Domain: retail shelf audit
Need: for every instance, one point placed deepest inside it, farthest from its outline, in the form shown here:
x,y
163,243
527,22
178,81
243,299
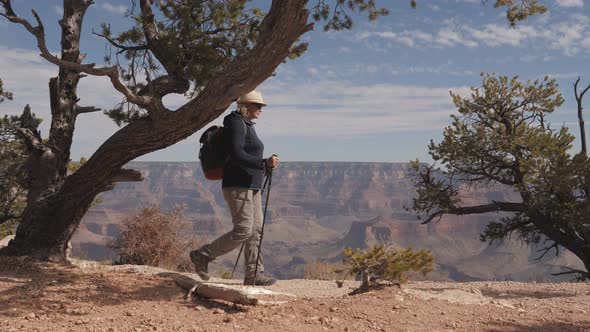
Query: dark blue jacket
x,y
245,167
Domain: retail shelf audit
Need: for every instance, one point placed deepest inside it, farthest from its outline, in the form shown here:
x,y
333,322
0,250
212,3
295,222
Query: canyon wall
x,y
318,208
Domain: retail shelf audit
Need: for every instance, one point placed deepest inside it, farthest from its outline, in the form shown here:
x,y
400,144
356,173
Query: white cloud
x,y
569,36
570,3
313,109
343,109
494,35
116,9
450,37
563,75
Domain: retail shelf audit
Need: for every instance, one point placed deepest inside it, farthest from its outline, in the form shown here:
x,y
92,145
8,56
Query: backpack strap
x,y
247,130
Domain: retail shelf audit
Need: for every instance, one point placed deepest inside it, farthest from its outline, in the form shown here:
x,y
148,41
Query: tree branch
x,y
127,175
124,175
546,250
285,22
32,140
122,47
582,275
478,209
580,114
86,109
164,85
150,32
112,72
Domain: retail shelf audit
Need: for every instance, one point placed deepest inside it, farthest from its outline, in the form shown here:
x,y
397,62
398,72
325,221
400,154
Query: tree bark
x,y
209,290
58,202
44,232
579,98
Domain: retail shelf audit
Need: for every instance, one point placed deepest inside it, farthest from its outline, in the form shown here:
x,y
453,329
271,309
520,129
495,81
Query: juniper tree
x,y
13,156
387,263
501,137
213,51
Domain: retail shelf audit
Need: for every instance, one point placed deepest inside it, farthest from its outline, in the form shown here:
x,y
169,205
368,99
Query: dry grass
x,y
150,236
322,270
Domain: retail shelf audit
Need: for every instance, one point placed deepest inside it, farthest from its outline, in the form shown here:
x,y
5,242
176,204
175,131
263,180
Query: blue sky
x,y
377,93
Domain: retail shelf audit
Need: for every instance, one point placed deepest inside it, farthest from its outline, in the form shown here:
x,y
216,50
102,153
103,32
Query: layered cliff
x,y
318,208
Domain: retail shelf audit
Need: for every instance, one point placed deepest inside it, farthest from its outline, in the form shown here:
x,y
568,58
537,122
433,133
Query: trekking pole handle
x,y
270,169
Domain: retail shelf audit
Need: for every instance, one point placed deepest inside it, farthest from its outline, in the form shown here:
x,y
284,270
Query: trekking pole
x,y
263,222
243,243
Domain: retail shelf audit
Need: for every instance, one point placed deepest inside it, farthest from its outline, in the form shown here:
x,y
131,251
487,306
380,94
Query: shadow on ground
x,y
540,327
27,285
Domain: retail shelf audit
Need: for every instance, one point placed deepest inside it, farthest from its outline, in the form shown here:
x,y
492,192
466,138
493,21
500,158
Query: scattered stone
x,y
333,309
313,319
217,311
31,316
199,308
227,320
451,325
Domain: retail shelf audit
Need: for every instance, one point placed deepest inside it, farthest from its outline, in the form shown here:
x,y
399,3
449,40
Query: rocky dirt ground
x,y
46,297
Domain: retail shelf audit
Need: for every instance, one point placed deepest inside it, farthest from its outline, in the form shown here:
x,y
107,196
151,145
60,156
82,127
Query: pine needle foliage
x,y
13,156
387,263
502,137
4,95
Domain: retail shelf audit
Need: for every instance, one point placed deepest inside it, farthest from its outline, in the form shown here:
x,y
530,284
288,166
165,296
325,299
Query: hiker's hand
x,y
272,162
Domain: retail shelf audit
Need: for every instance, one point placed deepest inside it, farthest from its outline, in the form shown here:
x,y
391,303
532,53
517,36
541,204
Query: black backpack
x,y
212,153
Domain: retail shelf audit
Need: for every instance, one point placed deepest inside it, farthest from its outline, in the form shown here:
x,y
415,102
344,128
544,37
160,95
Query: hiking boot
x,y
261,280
201,262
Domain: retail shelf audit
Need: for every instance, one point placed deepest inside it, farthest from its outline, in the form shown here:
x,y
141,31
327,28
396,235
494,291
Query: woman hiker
x,y
241,185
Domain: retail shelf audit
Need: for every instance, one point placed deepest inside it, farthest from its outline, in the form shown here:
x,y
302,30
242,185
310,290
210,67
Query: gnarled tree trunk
x,y
57,201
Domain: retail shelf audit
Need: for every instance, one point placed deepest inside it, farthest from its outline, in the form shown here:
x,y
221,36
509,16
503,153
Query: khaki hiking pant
x,y
245,206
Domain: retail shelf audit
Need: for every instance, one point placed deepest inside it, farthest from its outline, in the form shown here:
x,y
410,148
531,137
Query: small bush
x,y
224,274
322,270
387,263
152,237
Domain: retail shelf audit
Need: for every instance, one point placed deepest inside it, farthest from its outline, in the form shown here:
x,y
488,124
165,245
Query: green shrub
x,y
387,263
224,274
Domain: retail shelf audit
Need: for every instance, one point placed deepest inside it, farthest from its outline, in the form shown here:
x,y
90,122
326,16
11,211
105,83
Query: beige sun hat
x,y
253,97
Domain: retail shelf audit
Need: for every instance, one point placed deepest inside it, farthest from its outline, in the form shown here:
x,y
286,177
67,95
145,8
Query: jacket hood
x,y
234,116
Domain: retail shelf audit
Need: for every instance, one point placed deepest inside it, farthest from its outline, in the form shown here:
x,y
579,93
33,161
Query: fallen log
x,y
210,291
